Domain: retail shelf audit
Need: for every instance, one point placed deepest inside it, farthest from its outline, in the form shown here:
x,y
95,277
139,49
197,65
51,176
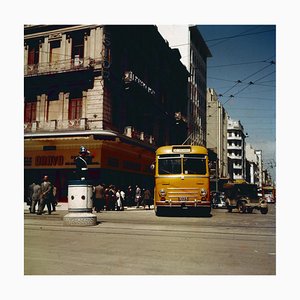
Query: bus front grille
x,y
183,193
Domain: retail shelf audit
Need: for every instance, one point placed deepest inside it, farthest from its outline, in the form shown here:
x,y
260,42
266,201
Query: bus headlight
x,y
203,192
162,193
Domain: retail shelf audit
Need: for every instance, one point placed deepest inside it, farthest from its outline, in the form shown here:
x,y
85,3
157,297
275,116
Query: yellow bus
x,y
181,179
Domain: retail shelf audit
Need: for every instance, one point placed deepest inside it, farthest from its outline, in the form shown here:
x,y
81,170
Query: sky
x,y
242,70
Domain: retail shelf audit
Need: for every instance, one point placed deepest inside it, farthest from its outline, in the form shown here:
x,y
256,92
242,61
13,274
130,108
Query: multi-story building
x,y
251,165
260,168
216,139
194,53
236,149
119,90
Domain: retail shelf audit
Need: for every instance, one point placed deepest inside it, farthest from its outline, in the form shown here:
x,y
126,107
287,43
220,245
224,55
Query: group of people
x,y
109,197
41,195
105,197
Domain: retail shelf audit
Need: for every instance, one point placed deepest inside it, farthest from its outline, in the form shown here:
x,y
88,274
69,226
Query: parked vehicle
x,y
244,198
269,194
218,200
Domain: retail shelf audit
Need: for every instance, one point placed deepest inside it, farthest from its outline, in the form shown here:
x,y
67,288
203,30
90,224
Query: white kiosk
x,y
80,202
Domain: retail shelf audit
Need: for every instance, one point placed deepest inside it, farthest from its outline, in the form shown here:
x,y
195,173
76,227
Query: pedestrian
x,y
122,198
118,200
99,197
54,198
81,163
138,194
147,198
106,196
129,196
45,195
29,195
35,198
112,198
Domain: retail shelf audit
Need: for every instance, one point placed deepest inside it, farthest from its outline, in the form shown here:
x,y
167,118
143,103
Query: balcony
x,y
131,132
234,147
234,137
61,66
56,125
234,156
237,166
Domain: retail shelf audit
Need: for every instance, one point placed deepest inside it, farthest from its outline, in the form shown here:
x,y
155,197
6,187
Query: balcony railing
x,y
131,132
234,137
237,166
74,64
53,125
234,147
80,124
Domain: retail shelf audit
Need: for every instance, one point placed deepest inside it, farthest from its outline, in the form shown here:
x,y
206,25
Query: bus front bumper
x,y
183,204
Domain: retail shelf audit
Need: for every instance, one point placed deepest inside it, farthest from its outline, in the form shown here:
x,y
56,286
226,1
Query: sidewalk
x,y
64,206
59,206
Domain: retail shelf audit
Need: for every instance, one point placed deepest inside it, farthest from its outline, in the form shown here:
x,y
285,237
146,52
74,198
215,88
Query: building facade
x,y
251,165
194,53
236,149
260,168
117,89
216,139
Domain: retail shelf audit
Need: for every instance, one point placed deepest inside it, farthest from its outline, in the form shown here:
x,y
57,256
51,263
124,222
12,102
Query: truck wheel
x,y
241,207
250,210
264,210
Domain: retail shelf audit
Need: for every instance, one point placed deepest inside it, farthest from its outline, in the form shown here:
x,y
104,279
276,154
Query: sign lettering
x,y
50,160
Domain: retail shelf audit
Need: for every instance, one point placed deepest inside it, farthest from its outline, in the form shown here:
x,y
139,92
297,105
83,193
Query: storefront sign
x,y
129,76
50,160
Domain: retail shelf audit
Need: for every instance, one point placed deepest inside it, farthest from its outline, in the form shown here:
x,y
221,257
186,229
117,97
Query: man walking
x,y
46,195
35,198
138,196
99,197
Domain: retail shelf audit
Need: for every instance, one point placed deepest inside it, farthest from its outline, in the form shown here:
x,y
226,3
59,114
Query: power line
x,y
244,33
247,77
237,64
224,39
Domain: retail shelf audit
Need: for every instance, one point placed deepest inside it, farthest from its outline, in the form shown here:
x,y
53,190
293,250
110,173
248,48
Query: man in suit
x,y
46,195
35,198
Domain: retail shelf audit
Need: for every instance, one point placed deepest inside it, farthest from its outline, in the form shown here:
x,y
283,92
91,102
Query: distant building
x,y
252,165
236,149
194,54
216,140
260,168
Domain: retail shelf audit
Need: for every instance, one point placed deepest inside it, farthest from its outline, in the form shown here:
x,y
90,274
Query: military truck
x,y
243,197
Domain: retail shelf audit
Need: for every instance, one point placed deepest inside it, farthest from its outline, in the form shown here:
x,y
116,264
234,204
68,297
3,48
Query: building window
x,y
33,54
75,108
54,51
77,46
30,112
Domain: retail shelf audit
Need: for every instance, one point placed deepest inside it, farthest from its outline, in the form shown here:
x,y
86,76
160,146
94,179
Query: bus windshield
x,y
192,164
169,164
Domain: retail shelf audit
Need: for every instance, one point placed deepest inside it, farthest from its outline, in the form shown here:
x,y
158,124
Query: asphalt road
x,y
136,242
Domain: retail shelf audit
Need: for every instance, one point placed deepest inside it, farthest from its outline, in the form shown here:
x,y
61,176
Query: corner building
x,y
116,89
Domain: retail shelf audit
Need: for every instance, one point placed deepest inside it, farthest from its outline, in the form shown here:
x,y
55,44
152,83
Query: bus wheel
x,y
241,207
158,211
